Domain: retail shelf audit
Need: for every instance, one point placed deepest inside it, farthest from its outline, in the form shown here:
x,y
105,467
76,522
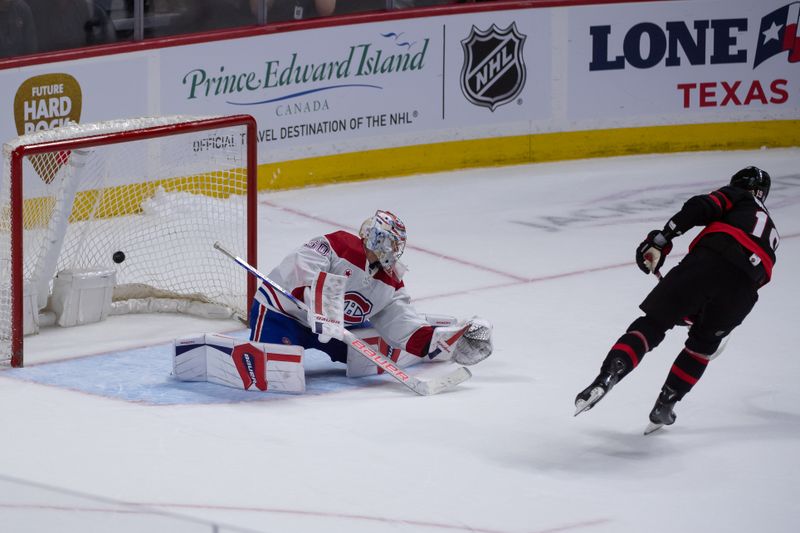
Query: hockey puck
x,y
118,257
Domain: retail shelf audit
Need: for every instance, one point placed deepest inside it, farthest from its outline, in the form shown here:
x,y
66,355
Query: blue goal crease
x,y
143,375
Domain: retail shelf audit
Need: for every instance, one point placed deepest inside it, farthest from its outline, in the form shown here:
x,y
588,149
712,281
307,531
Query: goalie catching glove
x,y
466,343
652,251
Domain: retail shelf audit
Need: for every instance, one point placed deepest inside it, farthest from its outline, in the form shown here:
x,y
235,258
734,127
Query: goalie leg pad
x,y
189,361
239,364
285,372
242,366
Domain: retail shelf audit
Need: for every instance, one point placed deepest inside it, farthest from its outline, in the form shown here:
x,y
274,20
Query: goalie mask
x,y
753,179
384,234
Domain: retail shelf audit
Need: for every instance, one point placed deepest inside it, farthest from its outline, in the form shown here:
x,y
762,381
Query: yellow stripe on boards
x,y
535,148
440,157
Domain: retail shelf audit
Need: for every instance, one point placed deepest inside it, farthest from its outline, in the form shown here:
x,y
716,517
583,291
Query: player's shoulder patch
x,y
348,247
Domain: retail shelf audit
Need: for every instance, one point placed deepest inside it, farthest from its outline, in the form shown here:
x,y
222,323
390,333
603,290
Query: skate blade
x,y
652,427
585,405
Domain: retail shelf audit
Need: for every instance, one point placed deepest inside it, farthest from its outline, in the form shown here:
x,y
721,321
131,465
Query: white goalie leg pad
x,y
285,372
189,358
465,343
239,364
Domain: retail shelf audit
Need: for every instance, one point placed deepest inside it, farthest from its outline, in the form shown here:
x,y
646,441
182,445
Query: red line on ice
x,y
515,279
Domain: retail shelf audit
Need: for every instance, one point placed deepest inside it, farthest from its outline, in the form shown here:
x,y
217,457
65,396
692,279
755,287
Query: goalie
x,y
355,282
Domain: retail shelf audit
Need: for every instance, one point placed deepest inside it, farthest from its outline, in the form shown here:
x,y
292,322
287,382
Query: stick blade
x,y
432,386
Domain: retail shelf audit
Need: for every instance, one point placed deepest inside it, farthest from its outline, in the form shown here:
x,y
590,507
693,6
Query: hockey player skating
x,y
349,281
711,290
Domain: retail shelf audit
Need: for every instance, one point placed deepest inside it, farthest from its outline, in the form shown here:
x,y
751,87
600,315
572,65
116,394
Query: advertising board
x,y
402,95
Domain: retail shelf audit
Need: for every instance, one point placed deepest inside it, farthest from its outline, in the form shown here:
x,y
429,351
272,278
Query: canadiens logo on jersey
x,y
493,73
356,308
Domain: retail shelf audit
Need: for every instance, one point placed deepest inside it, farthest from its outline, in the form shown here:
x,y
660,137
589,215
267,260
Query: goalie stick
x,y
422,387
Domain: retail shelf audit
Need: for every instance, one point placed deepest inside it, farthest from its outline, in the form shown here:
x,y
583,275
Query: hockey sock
x,y
643,335
687,370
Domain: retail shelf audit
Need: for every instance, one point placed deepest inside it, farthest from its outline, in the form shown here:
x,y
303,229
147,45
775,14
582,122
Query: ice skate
x,y
603,383
662,413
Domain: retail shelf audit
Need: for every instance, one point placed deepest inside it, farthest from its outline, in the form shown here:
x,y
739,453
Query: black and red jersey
x,y
737,226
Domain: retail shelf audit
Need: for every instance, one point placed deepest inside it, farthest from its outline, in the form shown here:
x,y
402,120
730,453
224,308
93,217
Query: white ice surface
x,y
545,252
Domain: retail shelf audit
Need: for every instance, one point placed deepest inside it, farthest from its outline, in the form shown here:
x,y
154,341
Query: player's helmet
x,y
384,234
753,179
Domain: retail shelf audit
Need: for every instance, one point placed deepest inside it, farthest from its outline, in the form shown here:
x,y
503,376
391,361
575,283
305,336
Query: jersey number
x,y
761,225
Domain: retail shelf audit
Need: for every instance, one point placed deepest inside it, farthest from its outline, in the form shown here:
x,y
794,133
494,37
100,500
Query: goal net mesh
x,y
148,208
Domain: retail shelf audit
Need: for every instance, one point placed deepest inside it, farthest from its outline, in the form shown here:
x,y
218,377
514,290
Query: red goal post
x,y
161,190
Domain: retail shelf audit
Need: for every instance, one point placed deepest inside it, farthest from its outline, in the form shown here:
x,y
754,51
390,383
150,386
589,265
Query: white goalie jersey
x,y
380,299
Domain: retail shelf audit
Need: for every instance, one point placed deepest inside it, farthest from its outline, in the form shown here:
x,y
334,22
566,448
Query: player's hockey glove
x,y
651,253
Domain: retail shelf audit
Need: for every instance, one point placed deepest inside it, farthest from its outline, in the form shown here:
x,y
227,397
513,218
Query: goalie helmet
x,y
384,234
753,179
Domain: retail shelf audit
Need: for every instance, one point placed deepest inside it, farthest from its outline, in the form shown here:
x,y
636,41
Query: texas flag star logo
x,y
778,34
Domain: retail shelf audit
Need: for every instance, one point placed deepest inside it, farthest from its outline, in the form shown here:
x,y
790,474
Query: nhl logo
x,y
494,69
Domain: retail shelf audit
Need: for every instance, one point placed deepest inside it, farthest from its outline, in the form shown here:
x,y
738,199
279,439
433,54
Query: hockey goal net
x,y
144,199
